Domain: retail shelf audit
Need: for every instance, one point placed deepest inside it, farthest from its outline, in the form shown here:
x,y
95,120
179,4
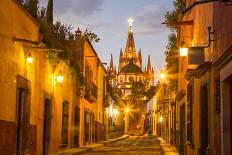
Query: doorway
x,y
230,114
87,123
47,126
23,115
203,119
182,129
76,126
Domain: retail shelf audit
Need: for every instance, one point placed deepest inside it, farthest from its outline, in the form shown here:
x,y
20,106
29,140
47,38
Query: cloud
x,y
150,18
74,11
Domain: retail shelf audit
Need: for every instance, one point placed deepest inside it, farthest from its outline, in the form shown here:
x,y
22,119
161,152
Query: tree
x,y
32,6
49,13
91,36
171,52
171,17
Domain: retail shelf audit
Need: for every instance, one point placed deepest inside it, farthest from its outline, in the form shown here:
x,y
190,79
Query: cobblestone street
x,y
134,145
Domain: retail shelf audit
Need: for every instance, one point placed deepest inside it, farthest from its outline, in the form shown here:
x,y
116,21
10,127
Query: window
x,y
65,116
189,112
121,79
131,78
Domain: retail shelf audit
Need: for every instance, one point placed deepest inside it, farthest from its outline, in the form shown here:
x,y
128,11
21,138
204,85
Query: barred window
x,y
189,112
65,116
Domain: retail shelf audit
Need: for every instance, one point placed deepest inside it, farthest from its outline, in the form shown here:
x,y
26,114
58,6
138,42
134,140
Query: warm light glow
x,y
160,119
111,110
116,112
142,116
29,59
184,52
127,110
130,21
60,78
162,75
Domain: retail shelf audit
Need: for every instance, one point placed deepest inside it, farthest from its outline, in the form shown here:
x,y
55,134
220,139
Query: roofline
x,y
95,53
26,12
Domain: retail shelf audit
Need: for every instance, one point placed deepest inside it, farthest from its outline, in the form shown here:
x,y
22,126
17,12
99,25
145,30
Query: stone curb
x,y
163,151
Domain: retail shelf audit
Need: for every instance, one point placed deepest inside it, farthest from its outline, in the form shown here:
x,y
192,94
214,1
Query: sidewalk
x,y
88,148
166,147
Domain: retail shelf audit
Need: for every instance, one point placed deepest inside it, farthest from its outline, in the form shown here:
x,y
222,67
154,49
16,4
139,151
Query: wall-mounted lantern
x,y
161,119
60,77
29,59
183,51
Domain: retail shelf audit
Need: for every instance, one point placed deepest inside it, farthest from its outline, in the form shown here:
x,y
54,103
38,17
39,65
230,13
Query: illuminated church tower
x,y
129,53
130,67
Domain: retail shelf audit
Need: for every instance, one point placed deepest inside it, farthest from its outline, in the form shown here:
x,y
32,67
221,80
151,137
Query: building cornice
x,y
224,58
26,12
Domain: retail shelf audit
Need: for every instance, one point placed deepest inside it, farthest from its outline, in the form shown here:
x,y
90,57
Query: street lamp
x,y
60,77
183,51
127,110
162,75
161,119
29,59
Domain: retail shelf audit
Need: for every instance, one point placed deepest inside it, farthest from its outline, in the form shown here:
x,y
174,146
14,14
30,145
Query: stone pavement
x,y
88,148
167,148
134,145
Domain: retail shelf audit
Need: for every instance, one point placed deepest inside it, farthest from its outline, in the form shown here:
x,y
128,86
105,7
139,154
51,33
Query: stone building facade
x,y
130,68
42,113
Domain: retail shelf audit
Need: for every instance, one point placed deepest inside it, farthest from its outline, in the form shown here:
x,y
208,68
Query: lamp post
x,y
29,59
126,118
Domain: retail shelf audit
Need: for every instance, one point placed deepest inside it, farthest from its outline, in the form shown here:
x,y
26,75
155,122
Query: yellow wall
x,y
15,21
12,62
99,104
194,36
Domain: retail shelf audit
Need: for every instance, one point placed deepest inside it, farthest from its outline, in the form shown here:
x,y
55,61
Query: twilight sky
x,y
108,19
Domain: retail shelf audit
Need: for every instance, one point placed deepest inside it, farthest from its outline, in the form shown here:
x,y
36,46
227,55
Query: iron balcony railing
x,y
91,92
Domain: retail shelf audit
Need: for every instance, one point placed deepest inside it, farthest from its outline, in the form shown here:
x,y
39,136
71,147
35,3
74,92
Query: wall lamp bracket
x,y
210,33
25,41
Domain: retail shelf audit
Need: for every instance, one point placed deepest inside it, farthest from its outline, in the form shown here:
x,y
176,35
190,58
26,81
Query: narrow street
x,y
116,77
134,145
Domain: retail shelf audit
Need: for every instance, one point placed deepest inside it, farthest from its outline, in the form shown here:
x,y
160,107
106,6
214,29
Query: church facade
x,y
130,68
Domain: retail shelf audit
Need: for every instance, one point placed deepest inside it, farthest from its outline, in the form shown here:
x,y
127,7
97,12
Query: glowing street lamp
x,y
127,110
116,112
60,77
162,75
29,59
160,119
183,51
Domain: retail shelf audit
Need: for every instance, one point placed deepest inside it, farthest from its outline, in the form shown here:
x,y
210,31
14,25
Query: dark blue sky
x,y
108,19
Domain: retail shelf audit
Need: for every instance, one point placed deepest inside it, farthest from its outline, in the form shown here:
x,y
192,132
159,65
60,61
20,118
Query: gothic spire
x,y
121,55
130,51
139,54
149,63
111,62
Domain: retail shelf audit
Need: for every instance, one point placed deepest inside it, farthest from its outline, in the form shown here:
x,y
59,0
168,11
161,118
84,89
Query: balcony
x,y
91,92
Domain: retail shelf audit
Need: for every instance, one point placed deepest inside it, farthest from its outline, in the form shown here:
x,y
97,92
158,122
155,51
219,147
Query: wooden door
x,y
230,116
47,126
87,123
23,122
182,129
76,126
203,119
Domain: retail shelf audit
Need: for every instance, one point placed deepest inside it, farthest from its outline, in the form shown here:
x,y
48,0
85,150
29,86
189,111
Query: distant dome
x,y
131,68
